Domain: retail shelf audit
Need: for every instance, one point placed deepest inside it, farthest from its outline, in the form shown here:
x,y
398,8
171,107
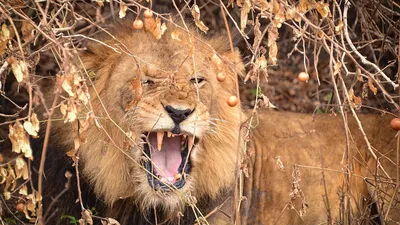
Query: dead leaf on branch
x,y
257,33
19,68
21,168
122,10
323,9
19,140
244,13
198,22
272,46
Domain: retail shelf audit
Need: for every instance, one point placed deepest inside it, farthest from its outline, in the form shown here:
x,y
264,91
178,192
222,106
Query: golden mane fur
x,y
288,151
112,153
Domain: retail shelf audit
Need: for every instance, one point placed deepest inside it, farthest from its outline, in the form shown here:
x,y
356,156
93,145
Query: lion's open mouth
x,y
170,159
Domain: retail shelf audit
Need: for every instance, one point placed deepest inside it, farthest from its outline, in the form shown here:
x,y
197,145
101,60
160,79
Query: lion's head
x,y
172,138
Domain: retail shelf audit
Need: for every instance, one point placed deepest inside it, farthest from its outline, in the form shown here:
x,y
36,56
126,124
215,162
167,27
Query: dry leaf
x,y
337,67
323,9
355,101
244,12
19,68
19,140
27,29
339,27
196,16
23,190
21,168
279,13
159,29
304,5
359,75
257,33
7,195
175,35
272,46
122,10
87,216
371,86
149,24
110,221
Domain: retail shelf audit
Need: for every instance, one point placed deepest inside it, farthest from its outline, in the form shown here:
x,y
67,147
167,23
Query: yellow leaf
x,y
323,9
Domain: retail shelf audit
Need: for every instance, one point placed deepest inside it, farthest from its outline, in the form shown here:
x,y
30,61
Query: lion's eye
x,y
147,82
198,81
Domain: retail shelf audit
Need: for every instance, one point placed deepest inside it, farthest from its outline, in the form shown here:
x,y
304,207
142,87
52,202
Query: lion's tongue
x,y
167,160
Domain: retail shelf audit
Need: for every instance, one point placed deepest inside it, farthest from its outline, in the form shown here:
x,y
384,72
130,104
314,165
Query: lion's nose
x,y
178,115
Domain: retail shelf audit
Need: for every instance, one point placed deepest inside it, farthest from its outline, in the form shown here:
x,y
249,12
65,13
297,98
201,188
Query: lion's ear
x,y
235,58
94,56
221,45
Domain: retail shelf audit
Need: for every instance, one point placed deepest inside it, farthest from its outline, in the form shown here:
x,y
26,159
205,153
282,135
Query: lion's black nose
x,y
178,115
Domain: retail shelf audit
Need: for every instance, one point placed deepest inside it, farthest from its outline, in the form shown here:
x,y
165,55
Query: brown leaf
x,y
26,30
273,47
257,33
244,12
371,86
159,29
196,16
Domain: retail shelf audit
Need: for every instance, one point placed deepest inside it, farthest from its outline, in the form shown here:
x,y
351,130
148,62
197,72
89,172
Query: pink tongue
x,y
167,160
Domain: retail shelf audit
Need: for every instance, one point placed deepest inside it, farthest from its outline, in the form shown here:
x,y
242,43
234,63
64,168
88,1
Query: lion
x,y
165,146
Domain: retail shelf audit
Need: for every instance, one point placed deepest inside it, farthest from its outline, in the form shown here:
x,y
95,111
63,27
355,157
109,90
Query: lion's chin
x,y
167,159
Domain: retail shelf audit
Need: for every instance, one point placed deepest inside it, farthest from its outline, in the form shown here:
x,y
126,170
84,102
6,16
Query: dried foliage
x,y
350,47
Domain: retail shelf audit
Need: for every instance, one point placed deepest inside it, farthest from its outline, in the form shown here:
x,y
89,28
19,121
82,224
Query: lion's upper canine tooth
x,y
185,136
160,137
190,142
169,134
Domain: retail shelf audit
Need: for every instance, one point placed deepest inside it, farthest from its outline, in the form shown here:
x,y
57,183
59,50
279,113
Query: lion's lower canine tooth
x,y
190,142
169,134
178,176
160,137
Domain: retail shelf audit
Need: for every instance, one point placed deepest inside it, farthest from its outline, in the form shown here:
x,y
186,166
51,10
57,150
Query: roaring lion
x,y
166,147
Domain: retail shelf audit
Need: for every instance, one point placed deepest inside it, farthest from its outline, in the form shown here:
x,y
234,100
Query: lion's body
x,y
111,155
290,149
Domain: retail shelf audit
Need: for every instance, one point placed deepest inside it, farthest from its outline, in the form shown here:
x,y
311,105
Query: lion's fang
x,y
160,137
178,176
169,134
